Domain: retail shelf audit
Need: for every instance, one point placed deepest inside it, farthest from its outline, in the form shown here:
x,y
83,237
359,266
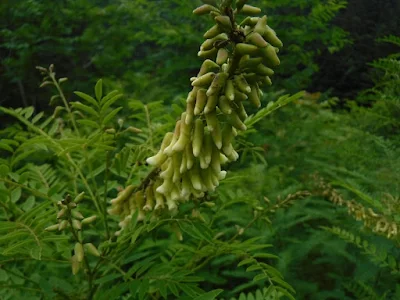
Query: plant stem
x,y
64,99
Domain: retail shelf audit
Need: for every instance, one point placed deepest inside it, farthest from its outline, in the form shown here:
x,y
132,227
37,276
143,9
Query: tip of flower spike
x,y
222,175
151,161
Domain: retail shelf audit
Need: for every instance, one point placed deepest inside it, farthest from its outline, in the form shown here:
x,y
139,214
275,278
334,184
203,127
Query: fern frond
x,y
378,256
362,291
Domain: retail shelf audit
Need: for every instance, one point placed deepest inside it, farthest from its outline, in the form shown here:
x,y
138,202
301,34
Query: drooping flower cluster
x,y
238,61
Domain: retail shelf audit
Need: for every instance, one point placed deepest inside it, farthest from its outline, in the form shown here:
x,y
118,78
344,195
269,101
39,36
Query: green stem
x,y
64,99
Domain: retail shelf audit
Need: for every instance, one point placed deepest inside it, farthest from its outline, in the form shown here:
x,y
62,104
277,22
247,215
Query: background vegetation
x,y
318,179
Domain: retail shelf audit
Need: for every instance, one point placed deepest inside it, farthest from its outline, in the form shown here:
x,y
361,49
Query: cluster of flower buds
x,y
239,60
69,217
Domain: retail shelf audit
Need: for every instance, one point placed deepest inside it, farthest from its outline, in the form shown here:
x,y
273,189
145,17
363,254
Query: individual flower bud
x,y
79,198
91,249
230,90
201,101
75,265
213,31
88,220
236,122
222,56
168,150
161,157
241,112
212,101
242,84
169,171
194,174
270,56
212,120
204,9
183,164
254,97
217,84
110,131
224,22
165,188
77,224
160,203
208,44
189,156
149,199
208,53
204,80
123,196
77,215
260,26
215,161
263,70
224,105
115,211
134,129
256,39
52,227
243,49
72,205
61,213
79,253
207,66
184,136
266,80
63,224
207,150
271,37
240,97
250,10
